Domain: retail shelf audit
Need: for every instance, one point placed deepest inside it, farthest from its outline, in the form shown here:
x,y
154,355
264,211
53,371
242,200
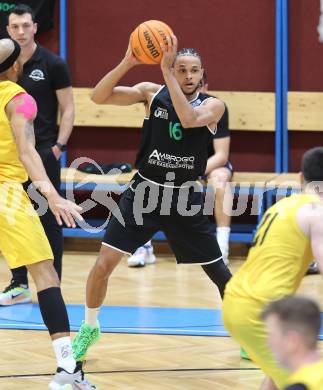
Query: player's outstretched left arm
x,y
207,114
21,111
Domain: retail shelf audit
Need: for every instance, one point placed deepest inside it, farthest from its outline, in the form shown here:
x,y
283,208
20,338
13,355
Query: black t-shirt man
x,y
43,74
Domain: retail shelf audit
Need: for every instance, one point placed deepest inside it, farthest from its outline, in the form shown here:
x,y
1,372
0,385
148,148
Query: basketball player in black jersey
x,y
180,123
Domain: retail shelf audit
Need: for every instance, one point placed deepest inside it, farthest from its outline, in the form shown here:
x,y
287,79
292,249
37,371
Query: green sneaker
x,y
86,337
243,354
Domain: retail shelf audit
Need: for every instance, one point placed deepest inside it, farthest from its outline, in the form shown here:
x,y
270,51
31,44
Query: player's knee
x,y
219,176
219,179
102,269
53,279
44,274
105,264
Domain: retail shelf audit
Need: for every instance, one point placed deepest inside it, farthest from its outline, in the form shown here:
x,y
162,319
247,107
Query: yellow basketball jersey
x,y
11,168
279,256
311,376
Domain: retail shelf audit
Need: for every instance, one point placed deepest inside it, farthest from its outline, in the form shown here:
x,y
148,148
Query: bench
x,y
253,111
305,111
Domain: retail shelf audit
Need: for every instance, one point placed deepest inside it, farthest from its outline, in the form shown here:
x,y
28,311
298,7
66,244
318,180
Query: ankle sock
x,y
91,316
64,354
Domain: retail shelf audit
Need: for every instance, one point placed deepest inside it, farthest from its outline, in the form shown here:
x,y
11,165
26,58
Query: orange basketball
x,y
146,38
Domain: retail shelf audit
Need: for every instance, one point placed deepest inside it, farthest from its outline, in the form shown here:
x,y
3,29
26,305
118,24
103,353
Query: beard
x,y
191,93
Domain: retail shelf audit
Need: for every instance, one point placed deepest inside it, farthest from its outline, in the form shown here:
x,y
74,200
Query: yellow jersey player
x,y
288,238
22,238
293,325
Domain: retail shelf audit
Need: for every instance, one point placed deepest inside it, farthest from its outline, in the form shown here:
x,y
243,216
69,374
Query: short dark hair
x,y
297,313
21,9
312,164
189,51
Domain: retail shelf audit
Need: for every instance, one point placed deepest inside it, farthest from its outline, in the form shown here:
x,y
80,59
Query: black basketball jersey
x,y
144,143
168,147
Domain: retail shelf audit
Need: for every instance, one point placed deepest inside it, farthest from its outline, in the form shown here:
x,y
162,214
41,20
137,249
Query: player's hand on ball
x,y
130,57
169,52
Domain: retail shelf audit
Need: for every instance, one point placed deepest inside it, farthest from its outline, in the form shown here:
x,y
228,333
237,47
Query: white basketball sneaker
x,y
64,380
143,255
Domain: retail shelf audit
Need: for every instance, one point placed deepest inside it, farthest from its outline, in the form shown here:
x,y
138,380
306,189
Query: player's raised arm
x,y
107,91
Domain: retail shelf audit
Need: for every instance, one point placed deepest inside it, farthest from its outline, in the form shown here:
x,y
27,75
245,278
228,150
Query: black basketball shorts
x,y
189,233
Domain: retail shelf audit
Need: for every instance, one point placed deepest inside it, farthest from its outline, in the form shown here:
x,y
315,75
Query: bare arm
x,y
66,108
107,91
21,111
221,156
316,233
23,131
310,220
206,114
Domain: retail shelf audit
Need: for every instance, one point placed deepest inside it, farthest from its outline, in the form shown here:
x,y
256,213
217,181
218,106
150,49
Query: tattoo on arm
x,y
29,131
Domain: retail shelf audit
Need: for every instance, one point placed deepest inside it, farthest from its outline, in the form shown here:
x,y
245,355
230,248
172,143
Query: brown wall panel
x,y
305,51
253,151
108,145
236,41
50,39
298,143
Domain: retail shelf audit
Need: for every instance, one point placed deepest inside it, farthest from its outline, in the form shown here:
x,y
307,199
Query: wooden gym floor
x,y
136,361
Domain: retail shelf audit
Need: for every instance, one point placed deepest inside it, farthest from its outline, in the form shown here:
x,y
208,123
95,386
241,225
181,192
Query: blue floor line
x,y
126,319
116,319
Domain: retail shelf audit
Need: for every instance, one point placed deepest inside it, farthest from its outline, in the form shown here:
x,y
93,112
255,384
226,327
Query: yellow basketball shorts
x,y
241,318
22,238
